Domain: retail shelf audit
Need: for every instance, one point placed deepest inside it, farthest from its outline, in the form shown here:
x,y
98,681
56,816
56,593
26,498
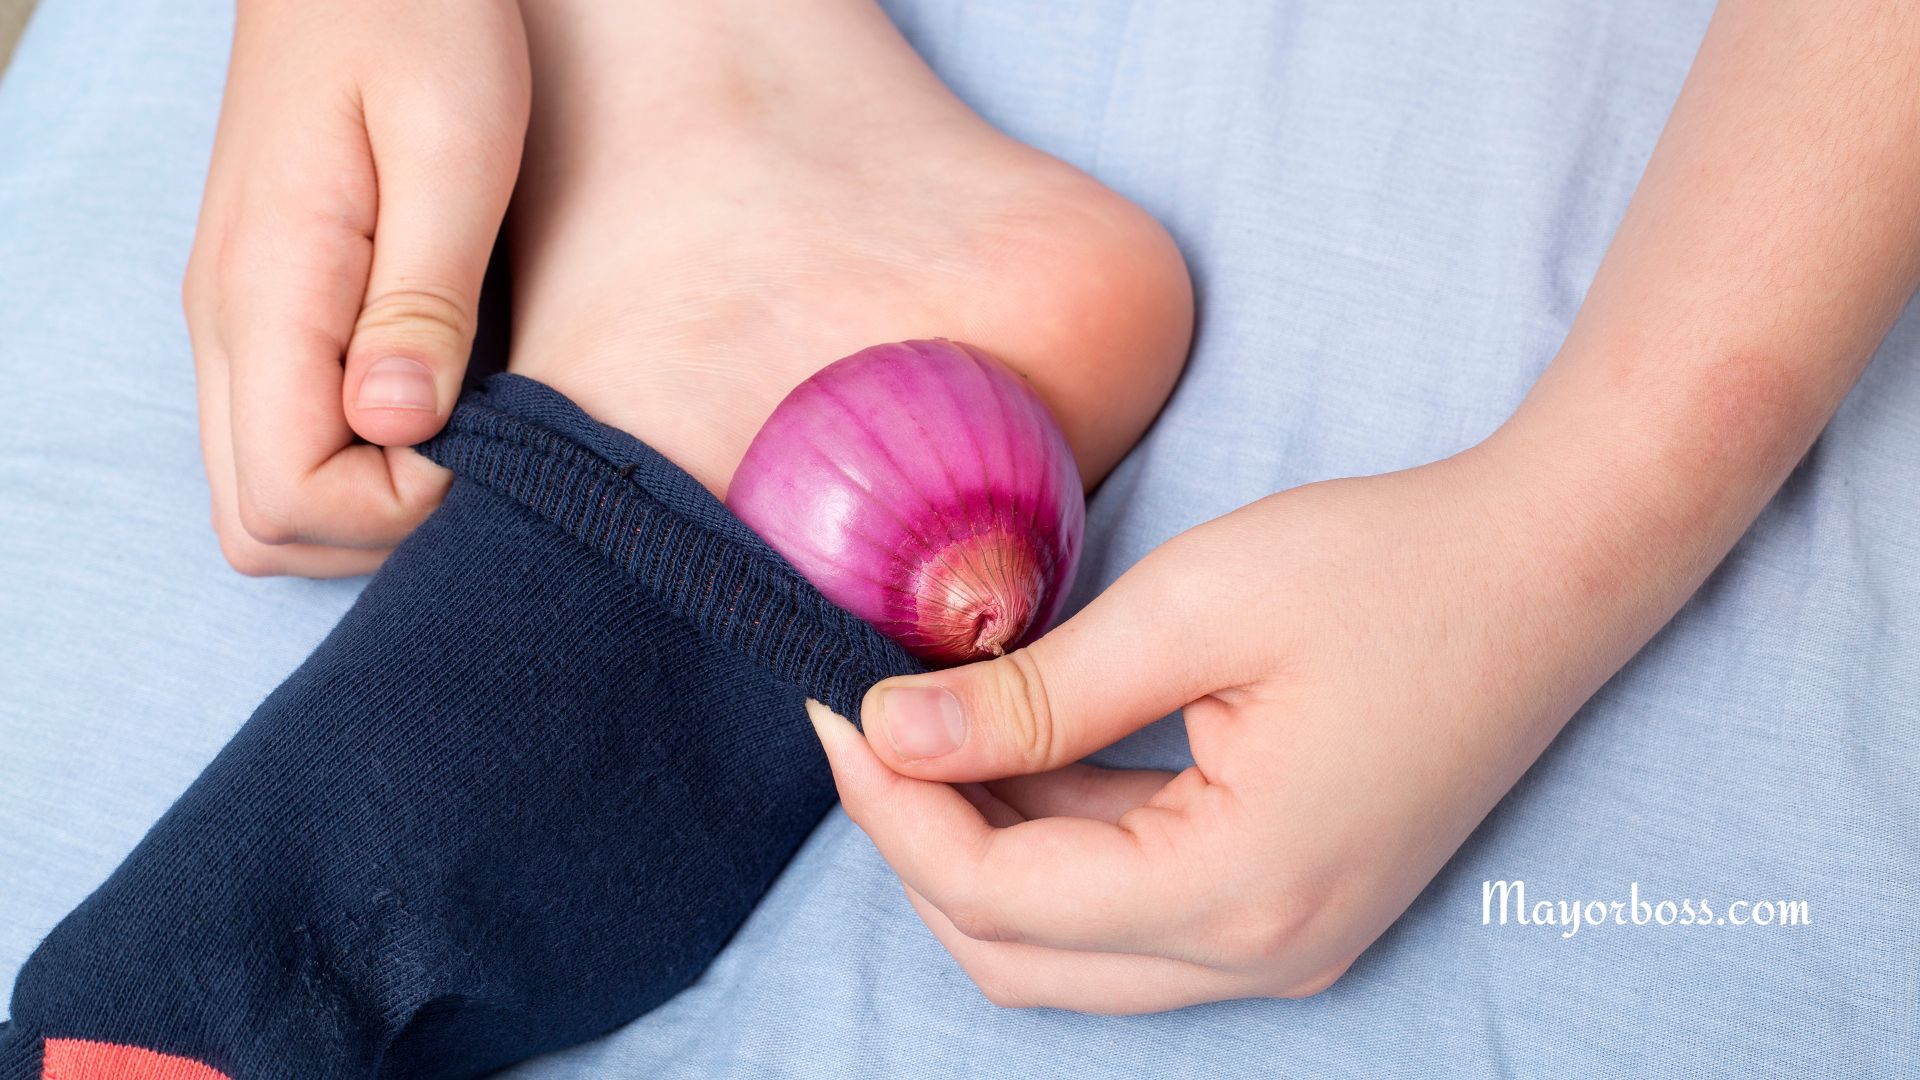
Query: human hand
x,y
1366,666
365,156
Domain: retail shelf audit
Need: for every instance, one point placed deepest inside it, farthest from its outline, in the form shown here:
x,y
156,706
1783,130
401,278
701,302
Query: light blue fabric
x,y
1391,209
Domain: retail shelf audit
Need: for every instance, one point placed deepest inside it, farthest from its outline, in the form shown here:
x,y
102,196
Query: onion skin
x,y
924,487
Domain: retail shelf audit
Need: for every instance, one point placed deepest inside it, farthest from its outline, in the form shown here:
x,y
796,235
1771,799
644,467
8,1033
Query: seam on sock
x,y
625,501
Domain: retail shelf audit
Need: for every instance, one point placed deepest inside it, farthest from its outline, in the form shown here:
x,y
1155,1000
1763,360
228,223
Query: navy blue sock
x,y
522,794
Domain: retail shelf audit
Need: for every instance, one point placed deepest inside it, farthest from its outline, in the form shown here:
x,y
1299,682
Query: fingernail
x,y
822,718
397,383
922,721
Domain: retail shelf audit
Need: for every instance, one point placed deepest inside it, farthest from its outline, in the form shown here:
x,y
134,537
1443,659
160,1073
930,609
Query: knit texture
x,y
523,793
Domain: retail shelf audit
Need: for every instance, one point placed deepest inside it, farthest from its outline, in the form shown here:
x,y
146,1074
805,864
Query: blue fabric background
x,y
1392,209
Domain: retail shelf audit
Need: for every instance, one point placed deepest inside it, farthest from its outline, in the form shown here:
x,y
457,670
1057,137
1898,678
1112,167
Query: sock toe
x,y
84,1059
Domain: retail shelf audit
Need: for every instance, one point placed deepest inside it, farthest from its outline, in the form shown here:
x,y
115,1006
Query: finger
x,y
1132,656
994,809
241,550
444,184
1064,882
1080,791
291,278
199,303
1014,975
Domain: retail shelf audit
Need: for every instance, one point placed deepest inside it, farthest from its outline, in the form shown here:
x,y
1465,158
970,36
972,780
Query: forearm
x,y
1771,244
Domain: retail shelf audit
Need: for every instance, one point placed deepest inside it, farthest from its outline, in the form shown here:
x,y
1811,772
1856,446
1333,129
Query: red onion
x,y
924,487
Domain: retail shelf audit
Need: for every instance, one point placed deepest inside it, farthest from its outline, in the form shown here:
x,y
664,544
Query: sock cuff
x,y
627,503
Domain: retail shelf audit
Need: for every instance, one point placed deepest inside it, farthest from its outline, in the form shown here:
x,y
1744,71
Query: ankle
x,y
704,69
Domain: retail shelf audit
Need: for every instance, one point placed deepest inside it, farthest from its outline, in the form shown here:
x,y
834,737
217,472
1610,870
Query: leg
x,y
535,737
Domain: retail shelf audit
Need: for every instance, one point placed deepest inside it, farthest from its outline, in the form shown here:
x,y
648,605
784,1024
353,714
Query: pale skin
x,y
1367,665
340,127
718,200
1418,636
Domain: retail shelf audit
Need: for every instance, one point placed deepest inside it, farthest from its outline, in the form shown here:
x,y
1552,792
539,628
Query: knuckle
x,y
244,554
190,291
1024,706
1317,983
421,314
197,294
1259,946
1269,940
263,522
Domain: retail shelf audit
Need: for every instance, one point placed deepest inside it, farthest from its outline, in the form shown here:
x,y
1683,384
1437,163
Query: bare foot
x,y
718,199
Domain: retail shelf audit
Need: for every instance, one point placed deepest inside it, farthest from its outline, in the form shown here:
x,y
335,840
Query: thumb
x,y
437,223
1125,661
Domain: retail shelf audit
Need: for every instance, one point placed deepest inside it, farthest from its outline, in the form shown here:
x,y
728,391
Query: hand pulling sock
x,y
522,794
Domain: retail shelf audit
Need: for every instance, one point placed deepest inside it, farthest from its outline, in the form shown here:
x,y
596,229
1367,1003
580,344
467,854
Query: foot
x,y
719,199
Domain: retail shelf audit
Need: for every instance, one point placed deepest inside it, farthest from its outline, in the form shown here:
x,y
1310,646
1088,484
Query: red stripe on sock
x,y
83,1059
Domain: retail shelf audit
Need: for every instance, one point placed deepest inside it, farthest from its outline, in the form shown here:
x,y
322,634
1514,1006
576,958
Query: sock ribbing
x,y
623,500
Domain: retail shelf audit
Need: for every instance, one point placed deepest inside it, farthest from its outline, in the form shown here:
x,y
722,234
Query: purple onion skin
x,y
924,487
